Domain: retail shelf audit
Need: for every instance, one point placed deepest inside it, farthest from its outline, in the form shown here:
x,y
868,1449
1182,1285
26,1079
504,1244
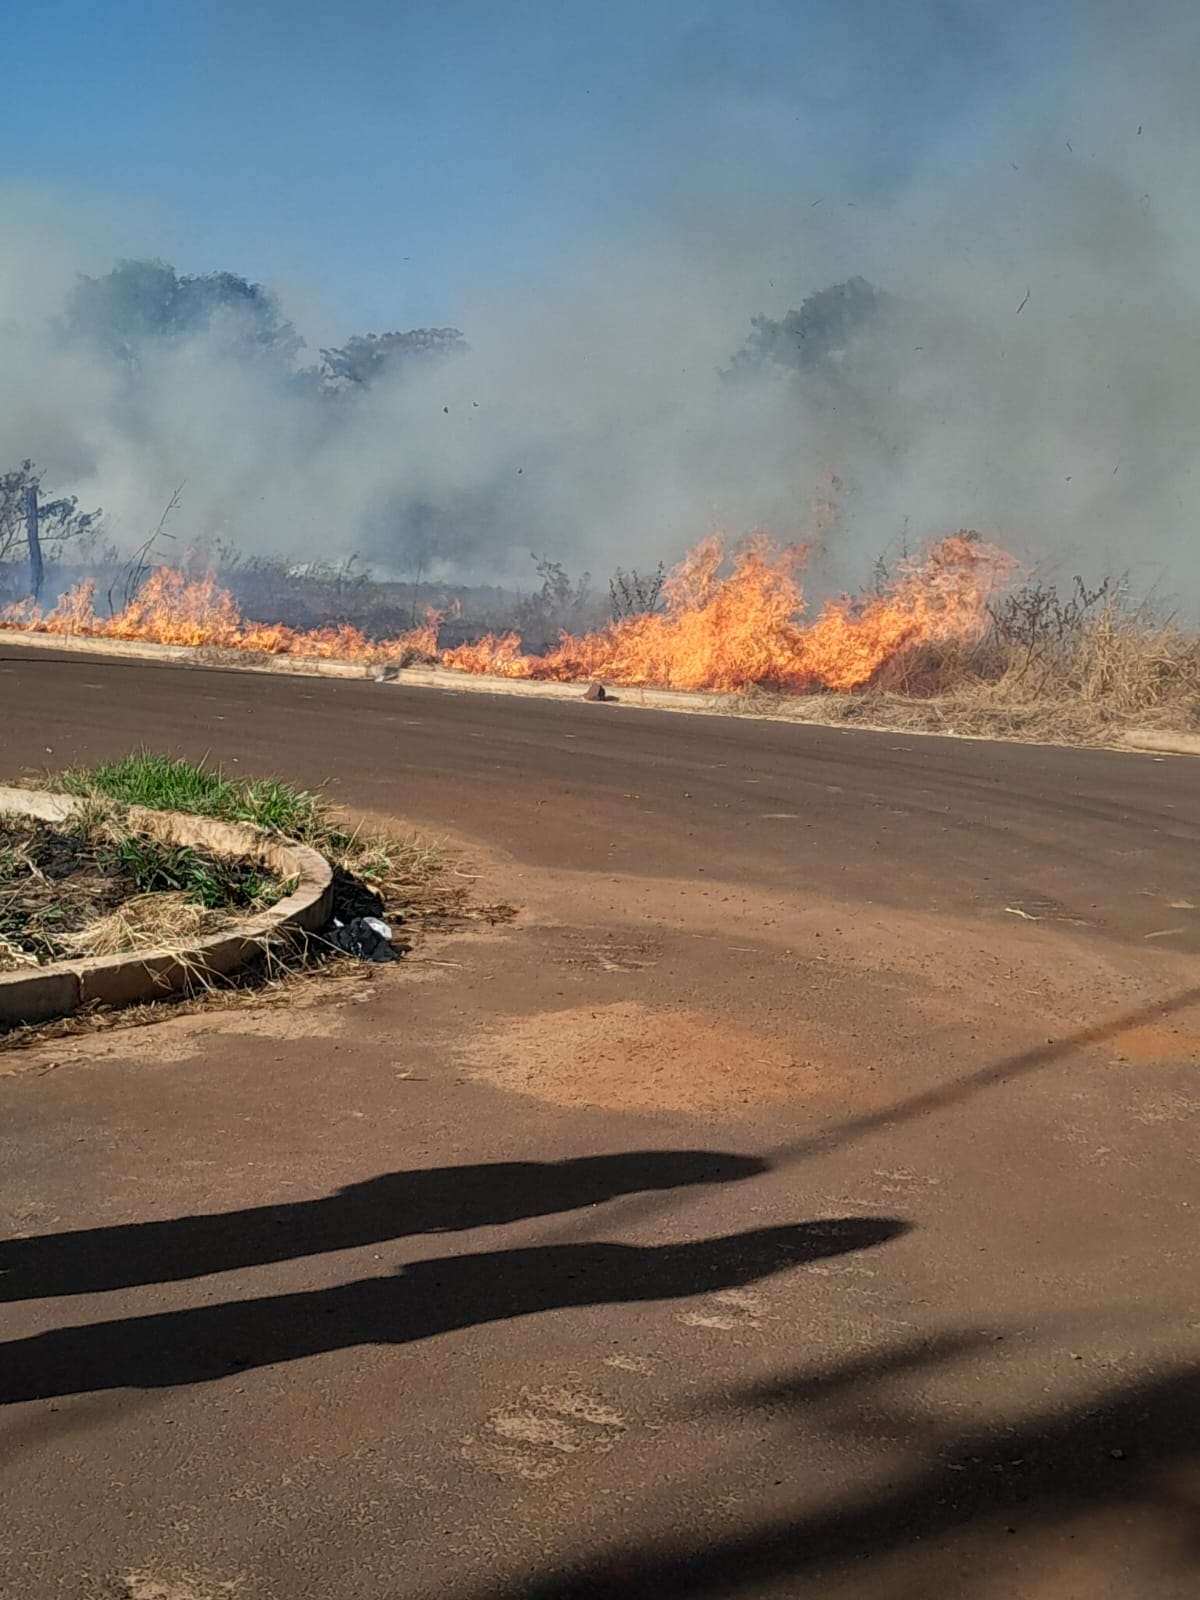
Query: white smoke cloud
x,y
595,424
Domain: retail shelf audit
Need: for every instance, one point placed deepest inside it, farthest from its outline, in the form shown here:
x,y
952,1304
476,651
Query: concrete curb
x,y
322,667
65,986
547,689
1170,744
189,655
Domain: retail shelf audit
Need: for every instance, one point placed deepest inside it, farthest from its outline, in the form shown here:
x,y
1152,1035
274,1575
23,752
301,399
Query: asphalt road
x,y
798,1200
937,824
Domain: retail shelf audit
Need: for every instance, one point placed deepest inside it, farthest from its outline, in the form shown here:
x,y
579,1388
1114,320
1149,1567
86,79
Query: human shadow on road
x,y
944,1096
391,1206
422,1300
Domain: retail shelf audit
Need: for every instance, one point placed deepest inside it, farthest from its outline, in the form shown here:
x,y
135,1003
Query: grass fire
x,y
956,637
744,628
174,608
732,620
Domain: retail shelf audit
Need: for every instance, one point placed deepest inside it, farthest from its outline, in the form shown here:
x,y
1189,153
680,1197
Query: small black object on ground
x,y
358,927
366,938
353,898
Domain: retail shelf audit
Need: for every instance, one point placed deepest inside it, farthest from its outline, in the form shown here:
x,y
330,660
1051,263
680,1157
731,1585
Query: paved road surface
x,y
799,1200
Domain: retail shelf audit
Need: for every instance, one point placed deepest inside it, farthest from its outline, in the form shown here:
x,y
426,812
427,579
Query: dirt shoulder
x,y
385,1291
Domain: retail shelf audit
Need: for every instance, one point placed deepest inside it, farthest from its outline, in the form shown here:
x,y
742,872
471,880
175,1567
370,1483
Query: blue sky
x,y
388,155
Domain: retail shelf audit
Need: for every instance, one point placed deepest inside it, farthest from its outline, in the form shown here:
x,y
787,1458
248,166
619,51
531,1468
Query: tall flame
x,y
720,630
729,633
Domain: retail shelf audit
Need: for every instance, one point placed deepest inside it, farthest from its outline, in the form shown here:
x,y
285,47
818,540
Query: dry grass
x,y
1137,667
93,887
963,715
421,891
145,922
417,883
13,958
1047,671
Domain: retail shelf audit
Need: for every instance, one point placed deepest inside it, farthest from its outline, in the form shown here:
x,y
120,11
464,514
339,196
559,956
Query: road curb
x,y
322,667
1172,744
549,689
190,655
63,987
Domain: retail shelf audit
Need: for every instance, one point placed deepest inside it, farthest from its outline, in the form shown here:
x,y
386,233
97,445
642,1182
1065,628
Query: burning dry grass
x,y
730,630
174,608
945,641
720,630
945,644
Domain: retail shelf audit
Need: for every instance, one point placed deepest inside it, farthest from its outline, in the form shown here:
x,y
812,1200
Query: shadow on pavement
x,y
1069,1501
1010,1069
391,1206
425,1299
928,1102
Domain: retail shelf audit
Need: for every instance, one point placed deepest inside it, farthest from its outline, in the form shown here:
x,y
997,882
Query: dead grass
x,y
13,957
412,876
94,886
408,880
145,922
965,714
1048,671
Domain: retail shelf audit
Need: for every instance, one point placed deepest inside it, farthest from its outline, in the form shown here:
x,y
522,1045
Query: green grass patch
x,y
409,875
168,783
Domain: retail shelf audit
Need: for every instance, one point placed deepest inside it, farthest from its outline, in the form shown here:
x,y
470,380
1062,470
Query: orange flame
x,y
171,608
729,633
719,631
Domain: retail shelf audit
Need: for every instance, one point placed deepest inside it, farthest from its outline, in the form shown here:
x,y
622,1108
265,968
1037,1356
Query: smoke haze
x,y
1030,366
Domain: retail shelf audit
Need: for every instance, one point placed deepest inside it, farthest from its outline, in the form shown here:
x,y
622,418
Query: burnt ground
x,y
799,1200
51,883
56,881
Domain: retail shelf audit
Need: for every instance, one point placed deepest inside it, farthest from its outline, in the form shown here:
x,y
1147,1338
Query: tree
x,y
368,356
559,606
58,521
819,334
143,302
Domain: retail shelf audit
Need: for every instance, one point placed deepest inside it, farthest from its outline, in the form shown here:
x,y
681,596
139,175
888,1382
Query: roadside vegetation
x,y
1079,664
99,885
1075,668
408,875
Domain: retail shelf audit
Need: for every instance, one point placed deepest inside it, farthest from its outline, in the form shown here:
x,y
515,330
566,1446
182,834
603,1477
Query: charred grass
x,y
95,888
